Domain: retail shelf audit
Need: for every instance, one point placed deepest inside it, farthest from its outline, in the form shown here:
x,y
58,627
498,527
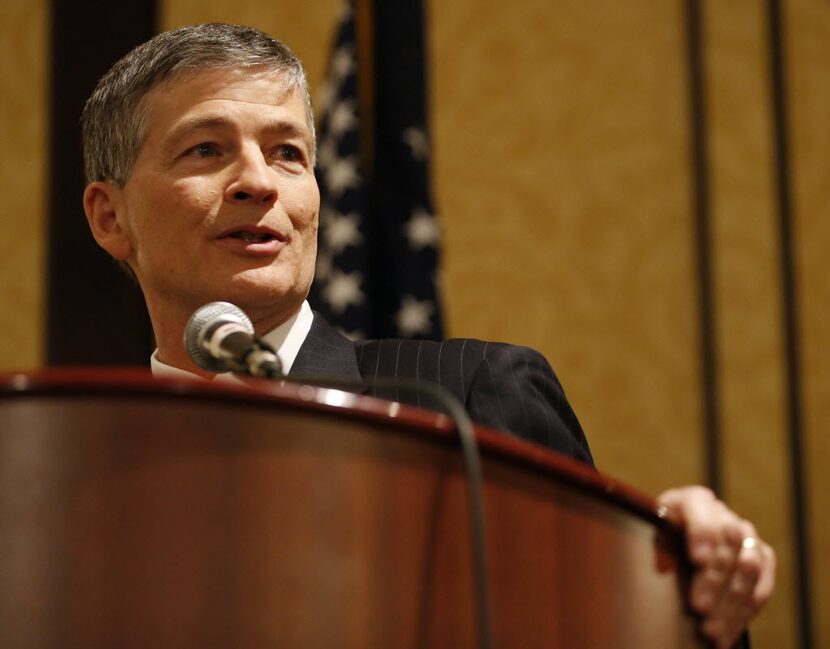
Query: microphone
x,y
219,337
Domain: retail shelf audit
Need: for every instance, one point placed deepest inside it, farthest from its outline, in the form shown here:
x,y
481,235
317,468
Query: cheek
x,y
311,225
301,201
311,243
193,197
180,214
162,205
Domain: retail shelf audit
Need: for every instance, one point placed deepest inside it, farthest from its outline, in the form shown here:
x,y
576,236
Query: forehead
x,y
223,90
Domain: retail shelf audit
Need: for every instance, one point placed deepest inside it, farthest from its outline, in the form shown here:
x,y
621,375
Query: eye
x,y
290,153
204,150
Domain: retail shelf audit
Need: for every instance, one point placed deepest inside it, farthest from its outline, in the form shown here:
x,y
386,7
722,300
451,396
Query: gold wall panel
x,y
23,168
748,292
808,50
562,170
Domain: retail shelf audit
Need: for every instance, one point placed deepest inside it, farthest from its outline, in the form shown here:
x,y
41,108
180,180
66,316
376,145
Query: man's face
x,y
222,203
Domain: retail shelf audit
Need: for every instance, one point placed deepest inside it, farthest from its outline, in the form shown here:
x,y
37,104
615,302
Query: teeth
x,y
250,237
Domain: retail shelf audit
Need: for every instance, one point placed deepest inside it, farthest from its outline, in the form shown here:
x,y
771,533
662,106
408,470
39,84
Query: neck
x,y
169,334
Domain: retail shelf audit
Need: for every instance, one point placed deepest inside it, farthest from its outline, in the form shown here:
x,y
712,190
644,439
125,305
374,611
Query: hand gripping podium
x,y
142,513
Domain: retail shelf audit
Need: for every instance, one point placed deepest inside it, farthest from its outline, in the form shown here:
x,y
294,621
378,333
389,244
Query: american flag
x,y
379,235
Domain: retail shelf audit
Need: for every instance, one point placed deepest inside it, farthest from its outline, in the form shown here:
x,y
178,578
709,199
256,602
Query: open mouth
x,y
252,237
253,234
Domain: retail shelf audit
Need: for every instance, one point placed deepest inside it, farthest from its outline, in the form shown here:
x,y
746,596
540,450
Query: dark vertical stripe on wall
x,y
801,560
95,314
702,217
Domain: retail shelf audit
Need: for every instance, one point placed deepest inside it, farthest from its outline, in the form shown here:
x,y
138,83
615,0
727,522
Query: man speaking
x,y
199,149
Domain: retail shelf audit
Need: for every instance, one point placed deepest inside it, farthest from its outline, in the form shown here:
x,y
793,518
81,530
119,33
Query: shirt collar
x,y
286,339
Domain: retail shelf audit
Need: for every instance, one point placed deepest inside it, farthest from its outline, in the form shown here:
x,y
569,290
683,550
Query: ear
x,y
103,204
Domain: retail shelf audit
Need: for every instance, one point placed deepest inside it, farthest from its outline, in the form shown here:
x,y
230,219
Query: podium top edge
x,y
139,382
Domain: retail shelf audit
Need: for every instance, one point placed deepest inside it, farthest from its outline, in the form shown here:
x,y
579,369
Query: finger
x,y
736,603
695,509
713,531
766,582
711,581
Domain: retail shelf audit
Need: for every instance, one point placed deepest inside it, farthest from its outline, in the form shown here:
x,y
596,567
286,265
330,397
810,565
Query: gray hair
x,y
113,121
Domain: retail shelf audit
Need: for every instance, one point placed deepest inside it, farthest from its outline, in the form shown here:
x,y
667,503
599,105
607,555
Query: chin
x,y
262,292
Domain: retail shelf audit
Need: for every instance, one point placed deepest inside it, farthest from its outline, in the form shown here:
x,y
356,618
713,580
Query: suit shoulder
x,y
452,364
509,387
392,356
457,346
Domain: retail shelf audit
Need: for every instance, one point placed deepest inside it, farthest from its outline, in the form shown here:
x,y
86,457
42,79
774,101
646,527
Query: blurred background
x,y
638,189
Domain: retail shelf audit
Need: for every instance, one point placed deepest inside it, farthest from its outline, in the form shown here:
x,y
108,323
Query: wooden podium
x,y
151,514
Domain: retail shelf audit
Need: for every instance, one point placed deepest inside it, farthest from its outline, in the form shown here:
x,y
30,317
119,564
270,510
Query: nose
x,y
254,181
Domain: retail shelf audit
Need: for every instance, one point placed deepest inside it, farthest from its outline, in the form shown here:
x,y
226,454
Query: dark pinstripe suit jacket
x,y
503,386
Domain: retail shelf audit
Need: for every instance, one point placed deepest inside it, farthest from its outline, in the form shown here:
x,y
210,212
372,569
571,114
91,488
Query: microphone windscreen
x,y
206,319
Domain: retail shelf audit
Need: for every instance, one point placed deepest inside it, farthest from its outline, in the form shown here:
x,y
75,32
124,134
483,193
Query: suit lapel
x,y
326,352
